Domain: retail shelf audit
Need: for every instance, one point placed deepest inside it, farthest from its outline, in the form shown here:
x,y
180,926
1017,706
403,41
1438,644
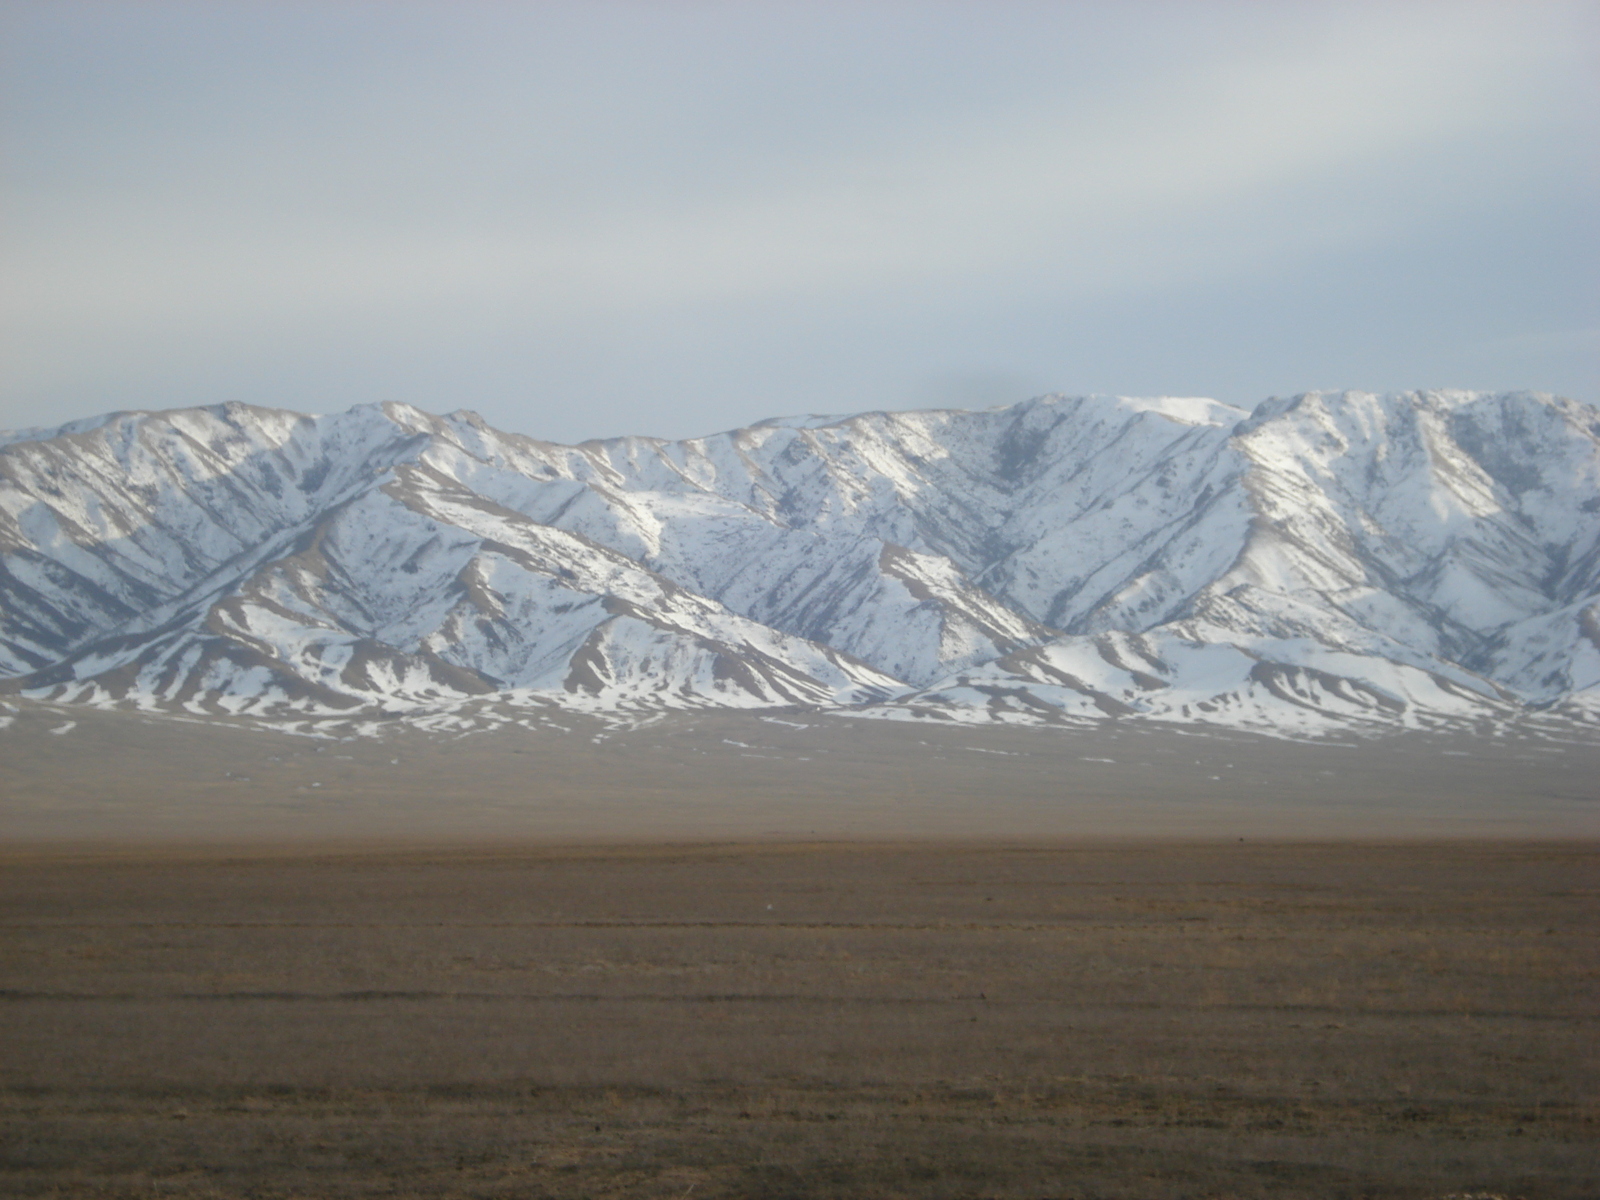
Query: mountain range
x,y
1330,562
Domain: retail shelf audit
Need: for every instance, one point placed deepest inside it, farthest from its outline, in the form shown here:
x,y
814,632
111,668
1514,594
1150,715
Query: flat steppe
x,y
721,955
805,1019
74,775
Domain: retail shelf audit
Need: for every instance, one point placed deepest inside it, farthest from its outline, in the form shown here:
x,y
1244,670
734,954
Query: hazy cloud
x,y
686,216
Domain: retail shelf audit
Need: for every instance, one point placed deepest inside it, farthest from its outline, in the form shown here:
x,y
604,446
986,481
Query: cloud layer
x,y
591,219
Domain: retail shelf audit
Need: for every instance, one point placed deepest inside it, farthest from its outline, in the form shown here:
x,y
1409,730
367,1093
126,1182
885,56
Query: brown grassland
x,y
719,955
1100,1019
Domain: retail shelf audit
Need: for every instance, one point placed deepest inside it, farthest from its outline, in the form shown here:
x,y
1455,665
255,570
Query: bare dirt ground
x,y
1049,1019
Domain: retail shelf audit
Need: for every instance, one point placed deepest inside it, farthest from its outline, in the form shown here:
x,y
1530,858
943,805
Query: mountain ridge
x,y
1322,563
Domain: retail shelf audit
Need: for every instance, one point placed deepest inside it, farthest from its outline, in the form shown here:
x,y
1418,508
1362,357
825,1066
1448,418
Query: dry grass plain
x,y
697,957
1091,1019
77,775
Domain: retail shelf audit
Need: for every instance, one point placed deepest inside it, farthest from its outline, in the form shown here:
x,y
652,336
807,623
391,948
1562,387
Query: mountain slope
x,y
1325,562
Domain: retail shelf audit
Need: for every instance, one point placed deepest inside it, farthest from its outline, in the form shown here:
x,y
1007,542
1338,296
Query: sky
x,y
674,217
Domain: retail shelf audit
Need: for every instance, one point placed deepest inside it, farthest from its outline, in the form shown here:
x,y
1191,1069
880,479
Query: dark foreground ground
x,y
1092,1020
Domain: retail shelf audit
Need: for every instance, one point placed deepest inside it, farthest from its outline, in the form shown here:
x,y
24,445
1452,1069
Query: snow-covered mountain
x,y
1324,562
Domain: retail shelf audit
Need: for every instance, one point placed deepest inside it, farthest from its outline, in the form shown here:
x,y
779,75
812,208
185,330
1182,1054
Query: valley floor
x,y
77,774
944,1019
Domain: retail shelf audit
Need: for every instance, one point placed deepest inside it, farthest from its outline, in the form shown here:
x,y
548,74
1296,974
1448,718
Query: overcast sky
x,y
674,217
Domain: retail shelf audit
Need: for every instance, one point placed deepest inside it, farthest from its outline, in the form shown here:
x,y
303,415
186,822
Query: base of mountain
x,y
75,773
1148,1021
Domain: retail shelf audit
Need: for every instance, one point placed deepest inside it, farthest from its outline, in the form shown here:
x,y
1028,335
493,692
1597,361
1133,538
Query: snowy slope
x,y
1325,562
